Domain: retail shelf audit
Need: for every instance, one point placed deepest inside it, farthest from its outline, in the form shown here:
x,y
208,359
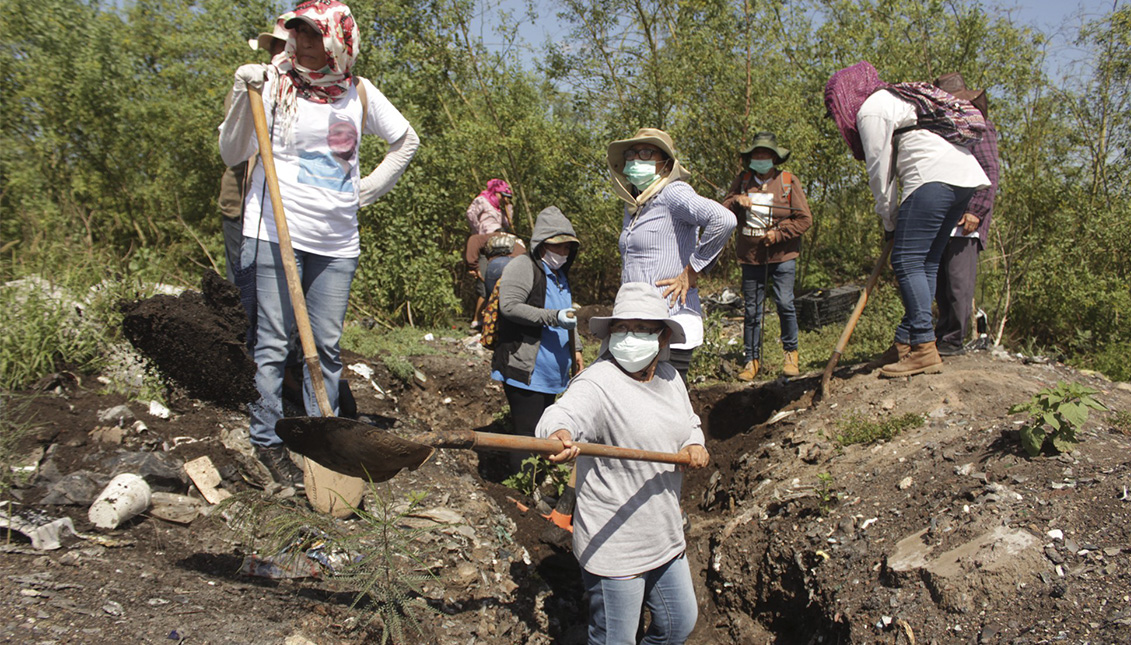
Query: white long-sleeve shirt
x,y
923,156
317,167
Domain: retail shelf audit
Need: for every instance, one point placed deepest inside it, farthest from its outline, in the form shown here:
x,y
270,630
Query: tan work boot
x,y
749,372
922,359
893,354
790,364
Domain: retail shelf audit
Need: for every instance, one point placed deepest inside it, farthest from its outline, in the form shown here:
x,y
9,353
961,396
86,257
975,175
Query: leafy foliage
x,y
537,472
1055,416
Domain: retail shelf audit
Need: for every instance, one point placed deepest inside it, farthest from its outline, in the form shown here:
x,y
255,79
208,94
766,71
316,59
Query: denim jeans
x,y
754,292
326,283
615,606
922,232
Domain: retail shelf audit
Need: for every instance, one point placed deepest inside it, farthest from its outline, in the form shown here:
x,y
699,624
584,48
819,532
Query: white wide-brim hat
x,y
637,301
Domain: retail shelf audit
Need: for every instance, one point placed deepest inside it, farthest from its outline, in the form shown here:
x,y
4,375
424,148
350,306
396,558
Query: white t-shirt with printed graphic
x,y
318,171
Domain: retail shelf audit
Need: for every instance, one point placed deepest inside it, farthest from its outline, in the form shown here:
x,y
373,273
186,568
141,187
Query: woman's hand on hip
x,y
698,454
678,286
569,452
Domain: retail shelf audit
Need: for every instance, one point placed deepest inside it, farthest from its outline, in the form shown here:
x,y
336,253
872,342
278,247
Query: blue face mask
x,y
641,174
761,166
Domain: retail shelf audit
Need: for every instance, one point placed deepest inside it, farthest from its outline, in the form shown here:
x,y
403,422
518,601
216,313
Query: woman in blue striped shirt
x,y
670,234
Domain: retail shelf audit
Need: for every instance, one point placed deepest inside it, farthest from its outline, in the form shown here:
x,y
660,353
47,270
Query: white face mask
x,y
634,351
553,260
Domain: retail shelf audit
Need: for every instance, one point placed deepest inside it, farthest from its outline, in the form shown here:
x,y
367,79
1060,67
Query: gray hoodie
x,y
522,294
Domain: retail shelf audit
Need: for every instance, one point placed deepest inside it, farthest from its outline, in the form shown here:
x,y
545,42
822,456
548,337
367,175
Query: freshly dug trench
x,y
197,340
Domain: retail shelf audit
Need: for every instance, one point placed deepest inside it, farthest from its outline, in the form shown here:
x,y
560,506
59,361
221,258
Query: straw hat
x,y
636,301
263,41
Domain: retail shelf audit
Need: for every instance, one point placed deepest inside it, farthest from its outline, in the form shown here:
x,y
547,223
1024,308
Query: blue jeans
x,y
615,606
326,283
922,231
754,292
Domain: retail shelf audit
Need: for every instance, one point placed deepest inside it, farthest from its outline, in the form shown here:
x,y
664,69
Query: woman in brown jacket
x,y
772,215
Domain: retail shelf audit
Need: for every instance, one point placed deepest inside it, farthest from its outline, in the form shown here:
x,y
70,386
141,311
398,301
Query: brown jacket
x,y
790,223
476,252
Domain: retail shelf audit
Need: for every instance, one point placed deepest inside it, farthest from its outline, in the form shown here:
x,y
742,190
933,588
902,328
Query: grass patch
x,y
856,428
45,329
1121,422
391,347
15,424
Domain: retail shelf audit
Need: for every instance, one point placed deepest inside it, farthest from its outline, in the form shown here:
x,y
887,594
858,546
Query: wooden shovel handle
x,y
516,443
290,267
855,317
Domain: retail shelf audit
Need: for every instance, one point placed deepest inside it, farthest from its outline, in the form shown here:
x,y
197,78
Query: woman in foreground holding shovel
x,y
627,530
316,111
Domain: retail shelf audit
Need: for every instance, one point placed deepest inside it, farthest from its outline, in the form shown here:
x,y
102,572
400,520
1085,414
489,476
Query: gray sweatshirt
x,y
627,520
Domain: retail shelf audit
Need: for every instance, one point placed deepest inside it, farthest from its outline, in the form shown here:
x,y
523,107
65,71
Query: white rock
x,y
158,410
905,483
1056,534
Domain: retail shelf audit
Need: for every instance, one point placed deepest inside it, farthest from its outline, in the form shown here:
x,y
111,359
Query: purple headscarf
x,y
845,92
495,187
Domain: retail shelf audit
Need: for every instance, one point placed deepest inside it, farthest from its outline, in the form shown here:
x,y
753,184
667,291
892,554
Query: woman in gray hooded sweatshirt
x,y
534,357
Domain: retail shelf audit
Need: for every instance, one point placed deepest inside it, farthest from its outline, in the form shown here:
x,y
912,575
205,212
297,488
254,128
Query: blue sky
x,y
1060,19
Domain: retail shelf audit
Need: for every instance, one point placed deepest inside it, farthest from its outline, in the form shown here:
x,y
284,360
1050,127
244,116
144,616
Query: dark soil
x,y
197,340
792,538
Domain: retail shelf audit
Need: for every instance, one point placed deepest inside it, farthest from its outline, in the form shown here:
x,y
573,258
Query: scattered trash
x,y
162,471
366,372
429,337
113,608
868,522
285,566
158,410
124,497
179,509
117,415
781,414
79,488
43,536
207,479
1056,534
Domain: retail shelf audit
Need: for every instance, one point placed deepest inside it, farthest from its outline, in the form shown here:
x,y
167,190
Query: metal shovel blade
x,y
351,447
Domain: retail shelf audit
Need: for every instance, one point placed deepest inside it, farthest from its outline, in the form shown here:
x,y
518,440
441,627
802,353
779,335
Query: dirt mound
x,y
945,533
197,340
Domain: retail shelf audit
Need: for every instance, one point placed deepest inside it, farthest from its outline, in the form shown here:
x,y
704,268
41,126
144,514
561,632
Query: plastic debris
x,y
158,410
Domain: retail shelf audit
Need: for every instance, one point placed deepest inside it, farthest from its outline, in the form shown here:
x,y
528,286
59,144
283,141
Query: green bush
x,y
1055,415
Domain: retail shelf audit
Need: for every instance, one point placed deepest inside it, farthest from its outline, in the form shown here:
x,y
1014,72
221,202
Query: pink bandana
x,y
845,92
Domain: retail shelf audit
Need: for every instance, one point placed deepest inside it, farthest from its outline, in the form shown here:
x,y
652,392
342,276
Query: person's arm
x,y
982,203
473,250
577,411
716,223
798,221
730,201
237,132
514,288
374,185
876,131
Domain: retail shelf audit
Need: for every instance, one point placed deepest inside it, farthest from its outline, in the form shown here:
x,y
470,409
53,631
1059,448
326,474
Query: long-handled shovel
x,y
325,490
357,449
852,320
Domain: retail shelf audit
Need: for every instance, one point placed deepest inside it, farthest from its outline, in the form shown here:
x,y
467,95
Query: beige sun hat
x,y
637,301
615,159
263,41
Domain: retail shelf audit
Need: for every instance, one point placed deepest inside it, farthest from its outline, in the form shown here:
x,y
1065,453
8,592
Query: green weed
x,y
827,493
856,428
536,472
379,558
15,424
1121,422
1063,410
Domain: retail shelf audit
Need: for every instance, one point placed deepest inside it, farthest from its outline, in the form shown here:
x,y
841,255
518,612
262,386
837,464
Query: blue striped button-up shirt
x,y
664,236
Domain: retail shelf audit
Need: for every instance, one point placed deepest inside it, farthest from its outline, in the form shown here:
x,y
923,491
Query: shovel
x,y
826,377
356,449
324,489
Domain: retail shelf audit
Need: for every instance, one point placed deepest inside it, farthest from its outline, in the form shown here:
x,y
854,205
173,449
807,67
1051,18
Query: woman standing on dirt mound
x,y
938,178
317,111
669,234
536,353
627,525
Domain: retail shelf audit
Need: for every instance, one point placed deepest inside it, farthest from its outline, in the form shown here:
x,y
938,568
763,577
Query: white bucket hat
x,y
263,41
637,301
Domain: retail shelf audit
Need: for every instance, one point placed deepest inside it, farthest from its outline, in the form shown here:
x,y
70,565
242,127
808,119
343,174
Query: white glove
x,y
250,75
567,318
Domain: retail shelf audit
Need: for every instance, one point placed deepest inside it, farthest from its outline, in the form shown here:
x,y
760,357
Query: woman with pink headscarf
x,y
317,111
935,182
490,211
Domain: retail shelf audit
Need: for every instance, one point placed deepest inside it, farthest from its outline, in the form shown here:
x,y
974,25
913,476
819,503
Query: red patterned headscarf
x,y
341,39
845,92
